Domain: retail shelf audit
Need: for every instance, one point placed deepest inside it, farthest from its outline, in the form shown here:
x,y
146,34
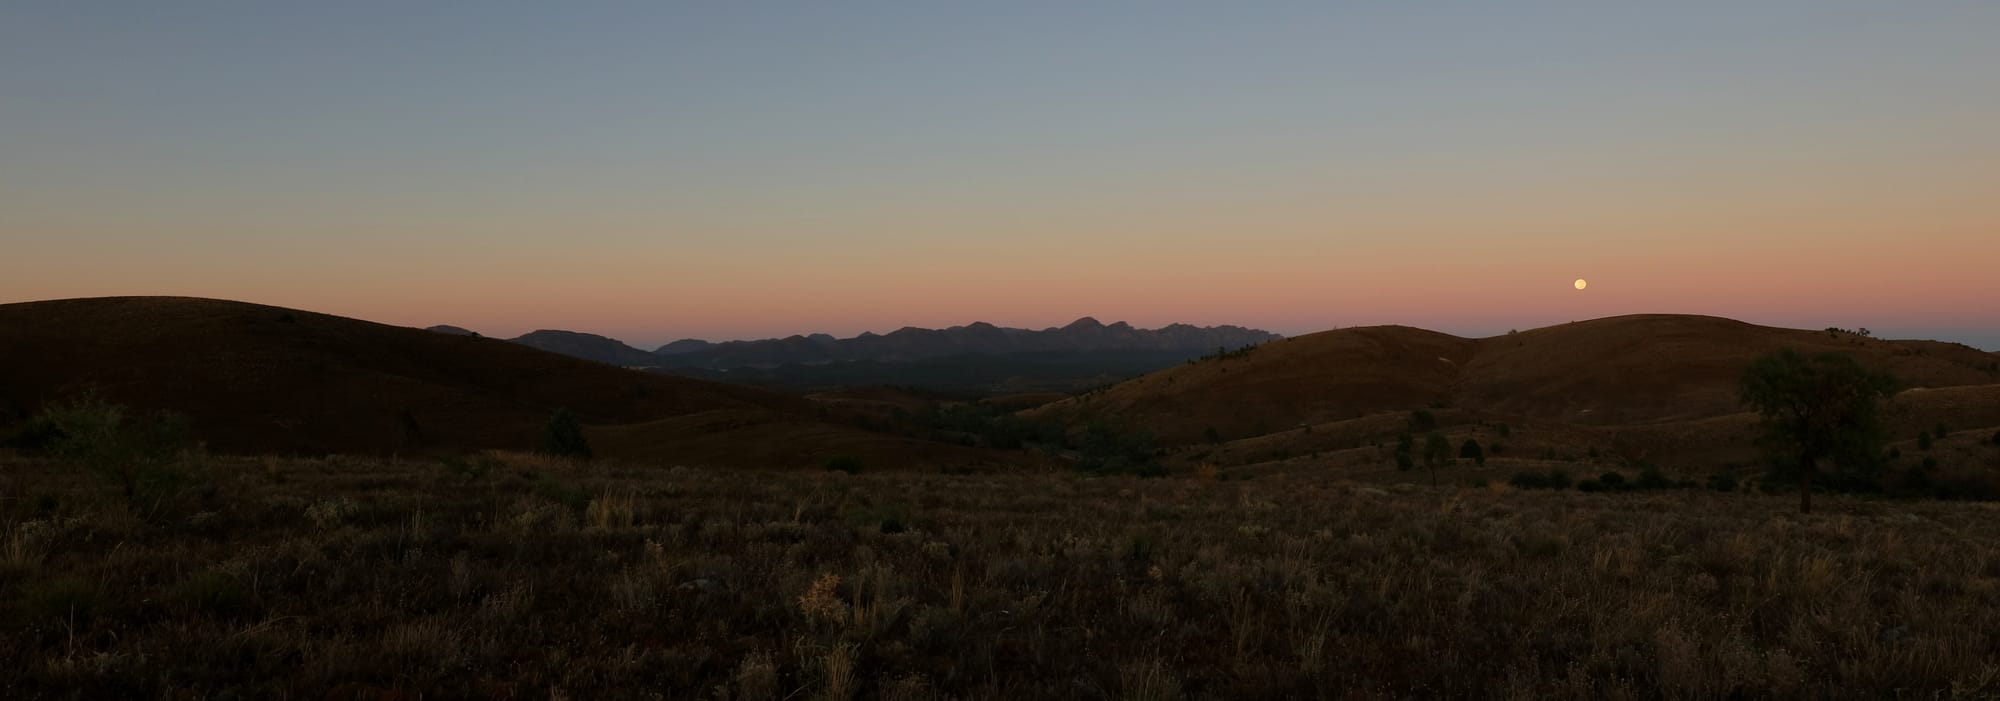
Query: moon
x,y
1580,283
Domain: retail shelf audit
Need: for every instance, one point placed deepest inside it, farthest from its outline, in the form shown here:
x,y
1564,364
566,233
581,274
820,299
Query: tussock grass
x,y
378,579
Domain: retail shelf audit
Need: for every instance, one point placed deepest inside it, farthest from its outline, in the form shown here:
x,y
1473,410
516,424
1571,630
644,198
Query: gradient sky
x,y
654,170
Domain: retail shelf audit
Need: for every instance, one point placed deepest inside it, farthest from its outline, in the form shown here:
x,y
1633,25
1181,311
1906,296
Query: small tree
x,y
1470,450
1421,421
1437,449
136,453
563,437
1822,406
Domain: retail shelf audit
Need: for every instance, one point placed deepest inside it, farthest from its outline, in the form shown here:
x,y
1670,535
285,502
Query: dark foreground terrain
x,y
518,577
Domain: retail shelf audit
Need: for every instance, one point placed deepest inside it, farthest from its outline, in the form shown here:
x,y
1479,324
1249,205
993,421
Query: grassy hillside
x,y
259,379
1616,391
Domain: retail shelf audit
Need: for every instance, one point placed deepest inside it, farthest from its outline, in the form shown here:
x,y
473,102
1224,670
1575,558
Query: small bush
x,y
1924,440
468,469
136,453
1996,437
1470,450
213,593
1554,479
563,493
1422,421
66,599
1613,481
1723,481
1652,478
842,463
563,437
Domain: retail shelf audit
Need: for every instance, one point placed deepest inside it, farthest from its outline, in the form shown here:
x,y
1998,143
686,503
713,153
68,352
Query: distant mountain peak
x,y
588,346
453,330
979,338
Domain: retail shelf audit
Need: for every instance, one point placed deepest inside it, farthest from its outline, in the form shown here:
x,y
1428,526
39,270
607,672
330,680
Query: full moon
x,y
1580,284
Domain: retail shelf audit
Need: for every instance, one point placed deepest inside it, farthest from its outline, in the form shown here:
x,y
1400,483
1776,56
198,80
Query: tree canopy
x,y
1820,406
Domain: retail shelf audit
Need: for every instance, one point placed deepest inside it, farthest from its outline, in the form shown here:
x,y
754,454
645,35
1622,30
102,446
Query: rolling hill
x,y
260,379
1652,386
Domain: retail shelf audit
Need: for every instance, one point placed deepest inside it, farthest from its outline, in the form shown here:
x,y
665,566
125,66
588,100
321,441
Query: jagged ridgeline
x,y
978,357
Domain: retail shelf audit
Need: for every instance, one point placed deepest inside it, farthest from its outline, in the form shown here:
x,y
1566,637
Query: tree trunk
x,y
1806,464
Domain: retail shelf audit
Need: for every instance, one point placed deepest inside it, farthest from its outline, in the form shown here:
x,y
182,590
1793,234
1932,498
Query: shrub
x,y
1924,440
1590,485
563,437
468,469
1554,479
560,492
1422,421
1996,437
1940,432
1470,450
68,599
842,463
1652,478
1613,481
214,593
1723,481
1504,430
136,453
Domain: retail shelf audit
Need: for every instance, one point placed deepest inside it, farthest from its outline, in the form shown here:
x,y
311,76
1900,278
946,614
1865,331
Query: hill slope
x,y
259,379
588,346
1619,371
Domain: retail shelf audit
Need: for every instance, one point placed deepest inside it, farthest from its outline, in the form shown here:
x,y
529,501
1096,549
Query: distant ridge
x,y
453,330
978,338
587,346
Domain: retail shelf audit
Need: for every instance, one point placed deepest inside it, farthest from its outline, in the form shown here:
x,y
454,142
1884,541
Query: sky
x,y
660,170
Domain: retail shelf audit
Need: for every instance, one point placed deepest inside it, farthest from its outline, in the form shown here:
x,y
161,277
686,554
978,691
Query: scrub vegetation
x,y
508,575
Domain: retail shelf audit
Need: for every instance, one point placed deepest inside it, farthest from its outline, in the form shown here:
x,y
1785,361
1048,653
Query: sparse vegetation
x,y
899,585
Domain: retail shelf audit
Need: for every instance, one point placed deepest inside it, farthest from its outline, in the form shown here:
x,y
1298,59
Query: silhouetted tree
x,y
1422,421
1822,406
1471,451
564,436
1437,449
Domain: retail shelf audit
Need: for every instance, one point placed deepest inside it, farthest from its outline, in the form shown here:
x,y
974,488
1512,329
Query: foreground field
x,y
514,577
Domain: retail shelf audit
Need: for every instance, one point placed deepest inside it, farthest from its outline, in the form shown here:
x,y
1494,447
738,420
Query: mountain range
x,y
978,356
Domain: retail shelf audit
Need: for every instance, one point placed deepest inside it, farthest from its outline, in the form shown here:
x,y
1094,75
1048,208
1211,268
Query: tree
x,y
1471,451
1437,449
1814,407
134,452
1421,421
564,436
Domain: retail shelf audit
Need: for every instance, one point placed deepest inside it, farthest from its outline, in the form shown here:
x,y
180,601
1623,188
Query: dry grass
x,y
362,579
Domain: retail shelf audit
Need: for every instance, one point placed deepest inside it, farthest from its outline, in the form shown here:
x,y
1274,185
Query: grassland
x,y
518,577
